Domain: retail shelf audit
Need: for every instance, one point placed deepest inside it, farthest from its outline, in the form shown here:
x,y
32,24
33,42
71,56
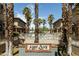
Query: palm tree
x,y
69,28
5,22
50,20
36,24
44,22
27,13
5,17
39,21
64,31
64,10
10,24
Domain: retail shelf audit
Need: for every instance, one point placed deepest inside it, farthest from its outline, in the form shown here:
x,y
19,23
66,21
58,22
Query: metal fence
x,y
43,38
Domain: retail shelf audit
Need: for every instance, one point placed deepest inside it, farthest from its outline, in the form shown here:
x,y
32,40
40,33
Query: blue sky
x,y
44,10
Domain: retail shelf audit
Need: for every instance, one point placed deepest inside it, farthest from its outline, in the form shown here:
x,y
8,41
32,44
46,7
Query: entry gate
x,y
43,48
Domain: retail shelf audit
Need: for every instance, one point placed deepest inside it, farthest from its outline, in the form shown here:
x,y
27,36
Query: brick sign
x,y
38,47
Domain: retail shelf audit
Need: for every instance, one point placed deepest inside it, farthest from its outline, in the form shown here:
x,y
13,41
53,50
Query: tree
x,y
10,24
36,24
63,42
50,20
5,27
44,22
39,21
27,13
69,29
41,30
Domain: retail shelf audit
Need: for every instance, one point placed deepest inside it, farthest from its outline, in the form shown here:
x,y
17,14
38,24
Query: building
x,y
19,25
57,25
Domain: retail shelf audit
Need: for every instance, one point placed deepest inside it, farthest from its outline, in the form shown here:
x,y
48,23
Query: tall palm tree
x,y
5,22
50,20
64,10
5,17
36,24
67,26
69,23
10,24
27,13
64,31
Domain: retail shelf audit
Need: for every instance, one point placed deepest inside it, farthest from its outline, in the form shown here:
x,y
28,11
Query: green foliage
x,y
26,10
39,21
27,13
43,29
50,18
44,21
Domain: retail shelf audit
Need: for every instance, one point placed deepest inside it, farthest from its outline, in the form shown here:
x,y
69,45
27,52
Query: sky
x,y
45,9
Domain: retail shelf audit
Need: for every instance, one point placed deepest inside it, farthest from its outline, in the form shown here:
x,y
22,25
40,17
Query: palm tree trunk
x,y
64,30
10,25
36,24
6,31
50,28
69,29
